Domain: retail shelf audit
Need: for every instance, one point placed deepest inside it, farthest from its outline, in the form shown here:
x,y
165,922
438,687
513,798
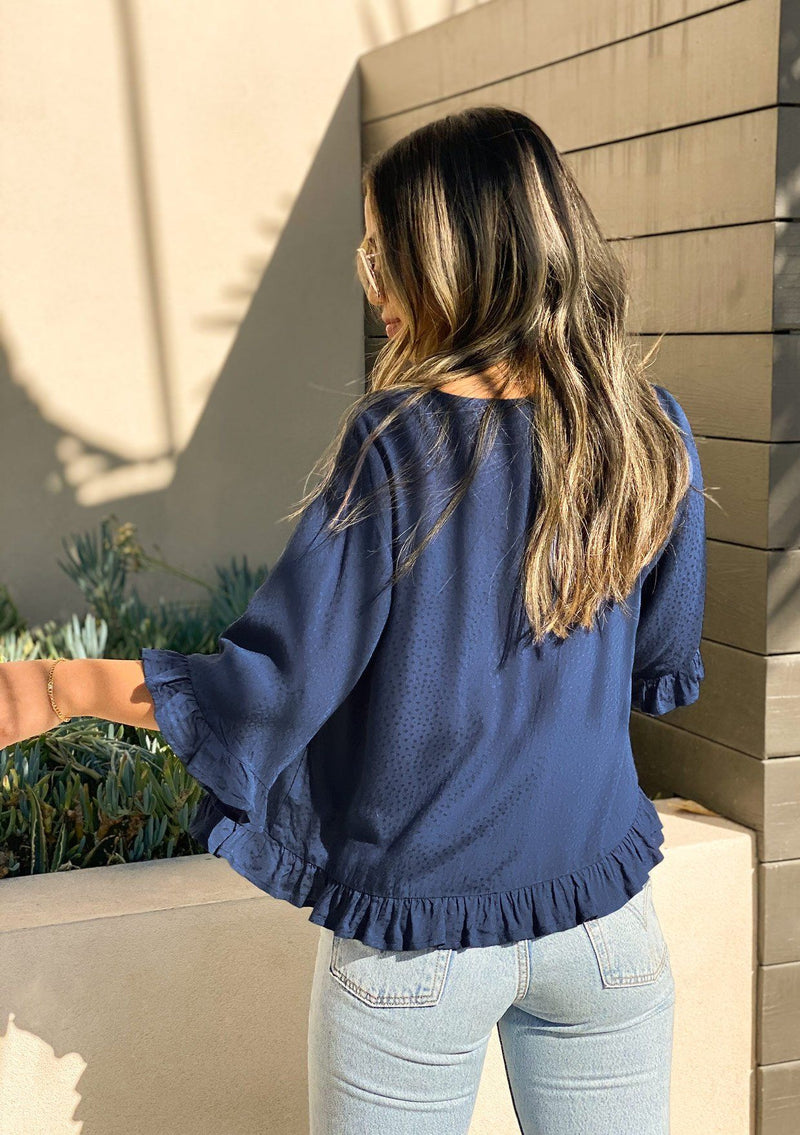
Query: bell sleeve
x,y
668,666
237,718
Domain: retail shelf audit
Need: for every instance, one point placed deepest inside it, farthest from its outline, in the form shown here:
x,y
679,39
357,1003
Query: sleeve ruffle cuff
x,y
168,678
668,691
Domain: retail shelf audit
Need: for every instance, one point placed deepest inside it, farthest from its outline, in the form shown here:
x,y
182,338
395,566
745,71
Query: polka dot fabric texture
x,y
395,758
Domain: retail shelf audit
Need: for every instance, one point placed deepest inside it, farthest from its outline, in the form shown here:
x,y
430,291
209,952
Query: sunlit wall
x,y
181,326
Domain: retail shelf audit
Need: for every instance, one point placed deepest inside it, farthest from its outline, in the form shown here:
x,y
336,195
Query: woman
x,y
419,726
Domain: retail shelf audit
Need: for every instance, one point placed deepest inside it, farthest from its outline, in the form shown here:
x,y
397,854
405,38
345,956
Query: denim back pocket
x,y
629,943
389,977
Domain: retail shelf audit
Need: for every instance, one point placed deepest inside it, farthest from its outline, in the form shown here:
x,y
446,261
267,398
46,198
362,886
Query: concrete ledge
x,y
172,996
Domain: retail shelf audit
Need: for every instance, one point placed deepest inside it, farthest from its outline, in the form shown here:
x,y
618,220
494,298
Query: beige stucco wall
x,y
181,321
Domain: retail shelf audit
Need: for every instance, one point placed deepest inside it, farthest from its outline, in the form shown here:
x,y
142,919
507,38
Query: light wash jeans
x,y
397,1039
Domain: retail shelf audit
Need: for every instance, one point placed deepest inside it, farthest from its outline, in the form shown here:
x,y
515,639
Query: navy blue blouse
x,y
387,755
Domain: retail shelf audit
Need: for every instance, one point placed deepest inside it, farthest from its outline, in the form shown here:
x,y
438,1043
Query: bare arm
x,y
111,688
108,688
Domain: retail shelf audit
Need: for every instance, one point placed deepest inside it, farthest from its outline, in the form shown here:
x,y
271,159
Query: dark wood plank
x,y
488,43
667,78
778,1013
778,1098
763,795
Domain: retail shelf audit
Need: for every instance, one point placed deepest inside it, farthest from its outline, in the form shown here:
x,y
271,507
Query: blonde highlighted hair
x,y
494,259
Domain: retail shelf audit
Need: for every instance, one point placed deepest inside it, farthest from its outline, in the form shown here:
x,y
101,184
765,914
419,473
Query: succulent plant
x,y
89,793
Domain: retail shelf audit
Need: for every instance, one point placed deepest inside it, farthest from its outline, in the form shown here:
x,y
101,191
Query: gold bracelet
x,y
50,690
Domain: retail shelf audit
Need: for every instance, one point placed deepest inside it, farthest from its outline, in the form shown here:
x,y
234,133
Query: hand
x,y
25,709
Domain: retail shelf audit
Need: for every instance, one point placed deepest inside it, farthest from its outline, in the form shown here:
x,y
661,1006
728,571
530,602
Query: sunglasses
x,y
369,274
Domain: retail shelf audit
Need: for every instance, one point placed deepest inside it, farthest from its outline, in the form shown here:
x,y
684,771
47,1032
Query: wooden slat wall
x,y
681,121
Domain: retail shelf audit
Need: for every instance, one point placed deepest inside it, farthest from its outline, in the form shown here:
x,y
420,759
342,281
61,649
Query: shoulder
x,y
366,457
678,415
362,424
671,406
393,430
382,407
675,410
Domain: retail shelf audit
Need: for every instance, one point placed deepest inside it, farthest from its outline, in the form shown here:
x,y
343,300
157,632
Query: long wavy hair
x,y
494,259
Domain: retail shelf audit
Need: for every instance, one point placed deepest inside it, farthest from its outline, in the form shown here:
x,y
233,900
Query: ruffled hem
x,y
668,691
221,826
452,921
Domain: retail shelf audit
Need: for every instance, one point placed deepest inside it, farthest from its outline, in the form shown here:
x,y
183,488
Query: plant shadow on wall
x,y
294,241
295,229
91,793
